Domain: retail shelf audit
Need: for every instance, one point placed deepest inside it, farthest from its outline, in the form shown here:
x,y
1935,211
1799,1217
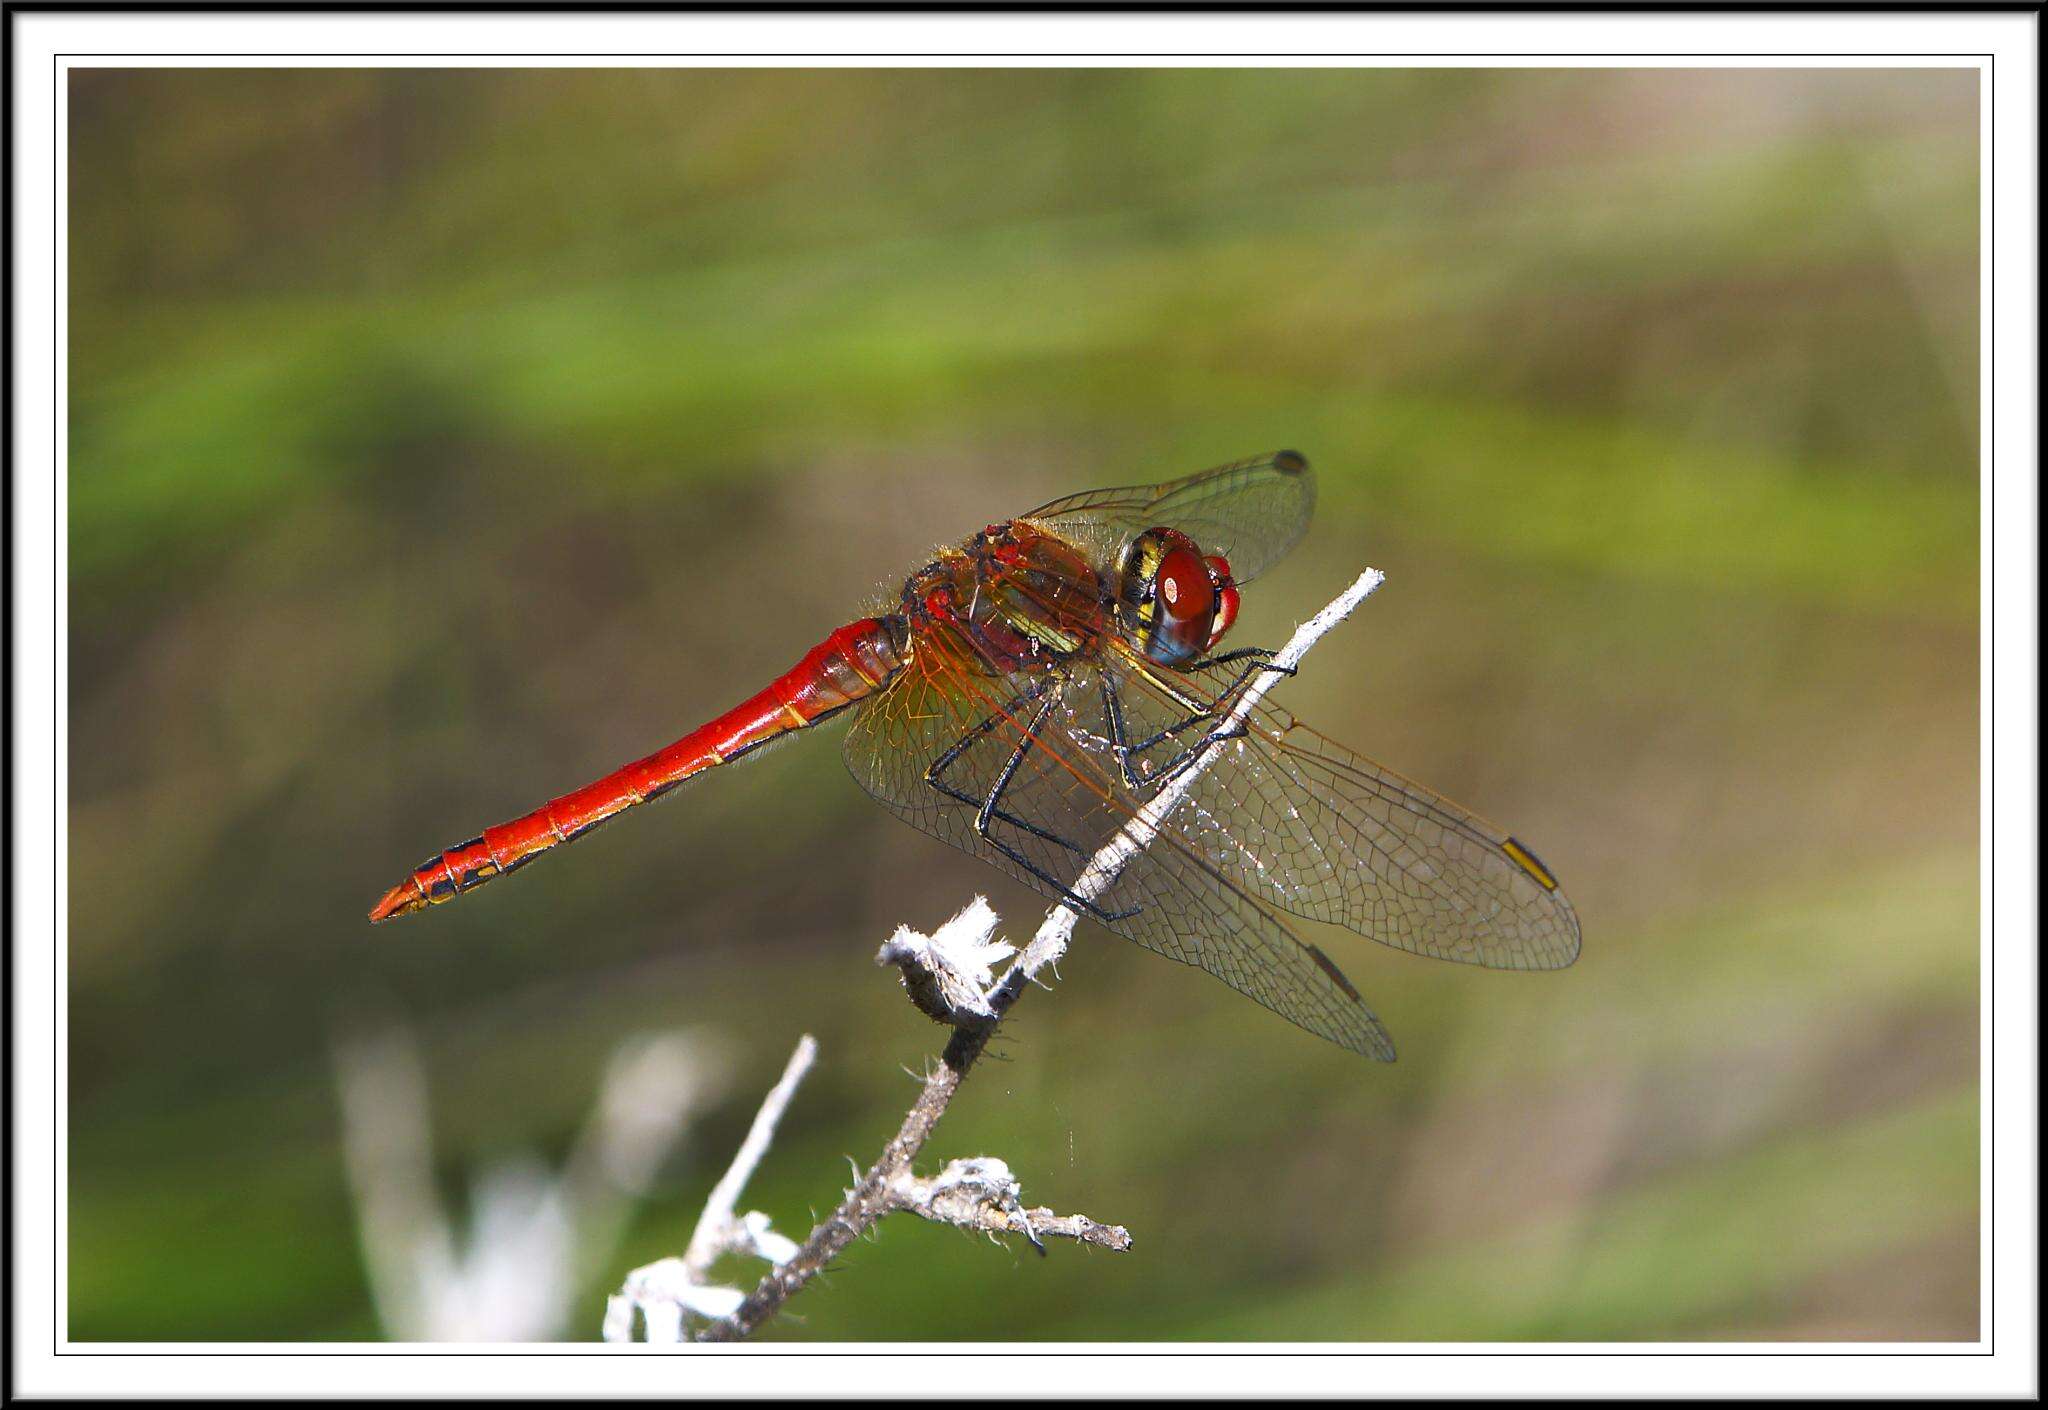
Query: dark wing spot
x,y
1291,462
1529,862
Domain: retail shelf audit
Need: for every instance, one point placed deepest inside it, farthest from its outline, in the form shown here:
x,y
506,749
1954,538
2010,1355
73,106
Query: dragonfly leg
x,y
989,810
1262,658
935,776
1143,780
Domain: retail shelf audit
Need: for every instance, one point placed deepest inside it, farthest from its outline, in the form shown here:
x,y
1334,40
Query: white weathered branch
x,y
662,1292
718,1229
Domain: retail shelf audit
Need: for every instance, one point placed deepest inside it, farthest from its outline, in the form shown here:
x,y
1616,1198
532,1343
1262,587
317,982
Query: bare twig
x,y
664,1291
718,1228
888,1185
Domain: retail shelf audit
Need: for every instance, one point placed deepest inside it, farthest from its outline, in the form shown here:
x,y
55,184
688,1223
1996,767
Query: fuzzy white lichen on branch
x,y
980,1193
946,974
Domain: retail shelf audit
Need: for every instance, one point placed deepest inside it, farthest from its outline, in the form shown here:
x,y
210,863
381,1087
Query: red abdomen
x,y
852,663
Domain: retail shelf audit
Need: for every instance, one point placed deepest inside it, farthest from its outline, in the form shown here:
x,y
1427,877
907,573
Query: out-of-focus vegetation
x,y
440,440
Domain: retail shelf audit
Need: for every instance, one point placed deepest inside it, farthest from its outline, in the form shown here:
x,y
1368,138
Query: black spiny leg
x,y
988,810
1199,712
935,775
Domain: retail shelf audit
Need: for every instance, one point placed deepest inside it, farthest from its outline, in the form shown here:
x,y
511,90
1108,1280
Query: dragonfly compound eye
x,y
1168,596
1226,597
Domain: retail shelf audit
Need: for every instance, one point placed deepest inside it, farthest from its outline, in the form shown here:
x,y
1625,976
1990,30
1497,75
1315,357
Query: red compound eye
x,y
1183,585
1183,606
1226,597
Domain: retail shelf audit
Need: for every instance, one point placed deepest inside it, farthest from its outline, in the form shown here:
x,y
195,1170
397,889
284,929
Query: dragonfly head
x,y
1175,601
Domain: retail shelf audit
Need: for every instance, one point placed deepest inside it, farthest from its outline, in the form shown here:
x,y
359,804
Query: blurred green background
x,y
440,440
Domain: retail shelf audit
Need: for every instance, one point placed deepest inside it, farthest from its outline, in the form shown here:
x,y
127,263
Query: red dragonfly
x,y
1037,684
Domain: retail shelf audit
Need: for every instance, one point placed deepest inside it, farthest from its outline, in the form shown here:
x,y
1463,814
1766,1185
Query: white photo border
x,y
2002,45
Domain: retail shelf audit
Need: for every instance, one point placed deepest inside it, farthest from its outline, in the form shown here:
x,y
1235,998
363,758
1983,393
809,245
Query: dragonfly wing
x,y
1250,511
1329,835
1059,807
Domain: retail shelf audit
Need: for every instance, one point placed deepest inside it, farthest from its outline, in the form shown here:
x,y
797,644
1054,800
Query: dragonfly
x,y
1035,686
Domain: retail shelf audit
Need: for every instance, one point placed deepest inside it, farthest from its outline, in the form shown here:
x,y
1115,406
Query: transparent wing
x,y
1062,802
1251,511
1329,835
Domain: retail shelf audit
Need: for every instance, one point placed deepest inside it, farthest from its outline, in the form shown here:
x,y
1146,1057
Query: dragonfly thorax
x,y
1017,594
